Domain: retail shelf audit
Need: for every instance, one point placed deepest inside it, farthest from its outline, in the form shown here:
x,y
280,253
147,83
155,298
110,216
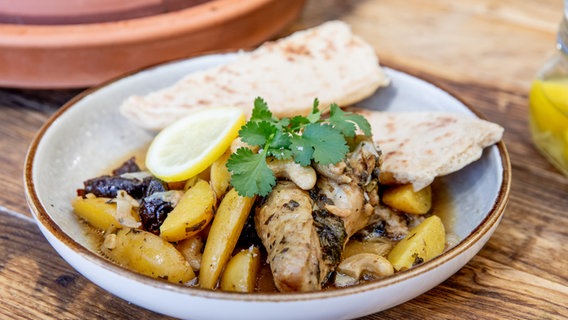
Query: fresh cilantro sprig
x,y
301,138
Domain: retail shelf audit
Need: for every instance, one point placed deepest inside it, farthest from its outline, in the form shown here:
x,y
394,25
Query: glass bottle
x,y
548,101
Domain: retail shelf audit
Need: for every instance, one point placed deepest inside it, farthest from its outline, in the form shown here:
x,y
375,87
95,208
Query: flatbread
x,y
327,62
420,146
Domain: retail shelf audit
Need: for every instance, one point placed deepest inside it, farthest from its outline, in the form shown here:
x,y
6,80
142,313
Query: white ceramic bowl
x,y
87,135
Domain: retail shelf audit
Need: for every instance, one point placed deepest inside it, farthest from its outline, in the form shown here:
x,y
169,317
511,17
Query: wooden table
x,y
484,51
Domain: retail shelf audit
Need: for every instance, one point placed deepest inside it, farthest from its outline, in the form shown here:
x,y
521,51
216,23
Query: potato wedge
x,y
203,175
423,243
220,175
191,215
148,254
380,248
191,249
405,199
223,235
98,212
241,271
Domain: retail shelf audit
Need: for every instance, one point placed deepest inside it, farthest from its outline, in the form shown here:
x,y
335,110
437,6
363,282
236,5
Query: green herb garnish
x,y
303,139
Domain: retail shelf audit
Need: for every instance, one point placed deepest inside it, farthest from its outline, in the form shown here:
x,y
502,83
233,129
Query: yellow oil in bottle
x,y
549,119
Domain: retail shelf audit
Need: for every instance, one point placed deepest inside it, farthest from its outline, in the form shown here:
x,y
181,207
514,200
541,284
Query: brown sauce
x,y
443,204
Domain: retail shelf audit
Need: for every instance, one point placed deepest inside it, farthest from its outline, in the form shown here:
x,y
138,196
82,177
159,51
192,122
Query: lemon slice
x,y
191,144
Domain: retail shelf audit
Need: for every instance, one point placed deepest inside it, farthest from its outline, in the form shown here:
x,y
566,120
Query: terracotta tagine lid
x,y
73,44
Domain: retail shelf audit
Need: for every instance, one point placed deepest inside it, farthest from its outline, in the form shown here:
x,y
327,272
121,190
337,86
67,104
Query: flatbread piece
x,y
327,62
420,146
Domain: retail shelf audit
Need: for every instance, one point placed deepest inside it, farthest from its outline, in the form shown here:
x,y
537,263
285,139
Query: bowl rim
x,y
41,215
129,31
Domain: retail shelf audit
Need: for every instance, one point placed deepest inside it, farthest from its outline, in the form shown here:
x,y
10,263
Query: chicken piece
x,y
346,201
386,222
365,162
334,171
361,165
285,225
342,199
349,189
304,233
332,238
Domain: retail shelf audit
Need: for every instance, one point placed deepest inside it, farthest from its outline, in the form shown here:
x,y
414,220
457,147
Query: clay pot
x,y
55,12
85,54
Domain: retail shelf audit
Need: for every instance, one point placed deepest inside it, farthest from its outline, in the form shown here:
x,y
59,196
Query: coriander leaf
x,y
260,112
284,122
281,154
337,120
315,115
297,122
242,160
346,121
280,140
280,145
302,150
257,133
250,173
329,145
361,122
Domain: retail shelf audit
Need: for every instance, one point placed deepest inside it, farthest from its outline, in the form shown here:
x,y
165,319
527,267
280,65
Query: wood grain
x,y
37,284
22,113
483,51
17,131
502,43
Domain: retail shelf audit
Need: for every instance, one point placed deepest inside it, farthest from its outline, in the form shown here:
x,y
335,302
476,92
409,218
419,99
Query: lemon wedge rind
x,y
190,145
